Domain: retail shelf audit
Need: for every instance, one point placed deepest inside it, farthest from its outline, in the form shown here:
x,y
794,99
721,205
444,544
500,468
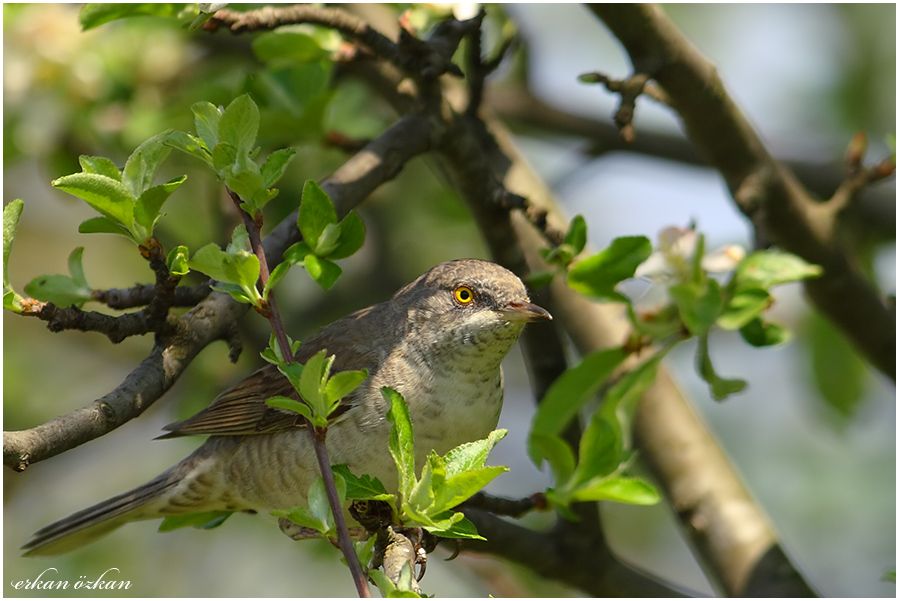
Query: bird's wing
x,y
241,410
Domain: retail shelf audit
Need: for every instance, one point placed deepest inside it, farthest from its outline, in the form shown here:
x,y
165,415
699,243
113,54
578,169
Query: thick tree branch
x,y
214,317
766,191
142,294
517,105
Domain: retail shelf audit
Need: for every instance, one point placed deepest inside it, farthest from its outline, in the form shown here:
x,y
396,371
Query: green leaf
x,y
721,387
745,306
287,47
316,212
312,380
601,449
141,166
464,528
764,333
766,268
539,279
301,516
102,225
239,124
100,166
343,383
328,240
237,267
622,489
576,237
362,488
94,15
418,504
471,455
597,275
276,276
206,122
323,271
556,452
12,212
76,269
620,402
224,156
460,487
275,165
352,235
191,145
288,404
206,520
60,290
570,391
840,375
699,305
296,253
178,260
108,196
402,444
319,508
147,208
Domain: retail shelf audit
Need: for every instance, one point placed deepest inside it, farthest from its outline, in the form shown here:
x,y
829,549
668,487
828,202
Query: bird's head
x,y
469,305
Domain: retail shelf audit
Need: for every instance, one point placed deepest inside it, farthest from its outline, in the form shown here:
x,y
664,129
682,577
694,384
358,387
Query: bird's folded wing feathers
x,y
241,410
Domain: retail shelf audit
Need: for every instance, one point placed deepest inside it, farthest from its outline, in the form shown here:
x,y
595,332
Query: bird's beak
x,y
520,311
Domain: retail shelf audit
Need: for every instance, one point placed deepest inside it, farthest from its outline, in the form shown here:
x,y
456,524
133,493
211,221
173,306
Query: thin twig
x,y
253,224
142,294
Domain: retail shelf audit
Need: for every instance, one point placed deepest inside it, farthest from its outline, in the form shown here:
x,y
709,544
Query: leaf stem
x,y
253,224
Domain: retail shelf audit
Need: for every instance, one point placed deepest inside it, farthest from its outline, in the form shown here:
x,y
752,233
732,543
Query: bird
x,y
439,341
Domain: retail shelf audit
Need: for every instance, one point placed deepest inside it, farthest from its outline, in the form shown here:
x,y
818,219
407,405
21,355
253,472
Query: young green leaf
x,y
178,261
597,275
767,268
352,235
343,383
460,487
556,452
601,450
745,306
276,276
287,48
206,122
102,225
146,210
570,391
402,443
288,404
630,490
323,271
93,15
76,269
472,455
316,212
206,520
314,372
224,157
721,387
362,488
576,237
275,165
191,145
141,166
239,124
12,212
100,166
764,333
61,290
319,508
301,516
327,241
463,528
699,305
296,252
108,196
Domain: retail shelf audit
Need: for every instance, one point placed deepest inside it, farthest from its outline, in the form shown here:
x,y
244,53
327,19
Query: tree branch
x,y
766,191
518,106
214,317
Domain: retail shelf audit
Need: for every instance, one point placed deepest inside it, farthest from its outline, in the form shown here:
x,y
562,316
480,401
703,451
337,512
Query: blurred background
x,y
814,435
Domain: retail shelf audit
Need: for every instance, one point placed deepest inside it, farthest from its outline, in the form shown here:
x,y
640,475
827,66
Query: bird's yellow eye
x,y
463,295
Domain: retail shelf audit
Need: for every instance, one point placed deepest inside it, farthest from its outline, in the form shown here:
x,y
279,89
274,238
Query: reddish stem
x,y
254,227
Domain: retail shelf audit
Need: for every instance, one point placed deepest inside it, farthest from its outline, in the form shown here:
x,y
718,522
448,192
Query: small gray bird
x,y
439,341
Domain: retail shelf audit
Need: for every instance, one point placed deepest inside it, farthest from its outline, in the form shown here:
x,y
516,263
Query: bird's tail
x,y
89,524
